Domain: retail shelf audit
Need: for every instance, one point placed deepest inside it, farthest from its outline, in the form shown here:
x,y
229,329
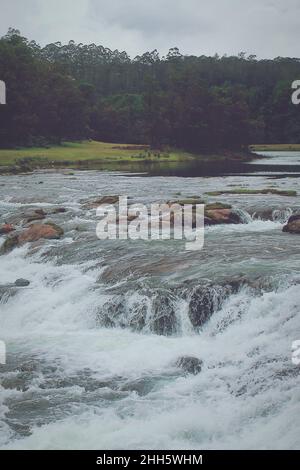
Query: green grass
x,y
275,147
245,191
89,151
102,155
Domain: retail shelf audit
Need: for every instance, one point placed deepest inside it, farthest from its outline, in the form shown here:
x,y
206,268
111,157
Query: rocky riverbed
x,y
142,342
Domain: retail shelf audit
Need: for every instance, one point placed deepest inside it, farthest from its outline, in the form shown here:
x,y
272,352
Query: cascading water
x,y
244,216
282,215
93,342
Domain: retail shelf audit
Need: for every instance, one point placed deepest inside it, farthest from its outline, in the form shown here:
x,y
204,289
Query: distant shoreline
x,y
94,155
275,148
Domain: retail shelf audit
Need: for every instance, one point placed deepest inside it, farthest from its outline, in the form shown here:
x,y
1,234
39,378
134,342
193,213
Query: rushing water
x,y
93,341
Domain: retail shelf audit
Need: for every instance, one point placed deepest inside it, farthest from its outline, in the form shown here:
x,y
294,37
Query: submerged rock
x,y
189,364
22,283
163,319
59,210
9,290
38,214
293,225
103,200
9,244
156,313
204,301
263,214
6,292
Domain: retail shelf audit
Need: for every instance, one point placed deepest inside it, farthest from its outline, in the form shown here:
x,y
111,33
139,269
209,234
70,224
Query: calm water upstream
x,y
93,341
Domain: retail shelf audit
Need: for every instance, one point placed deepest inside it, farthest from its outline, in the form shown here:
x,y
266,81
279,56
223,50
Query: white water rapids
x,y
74,382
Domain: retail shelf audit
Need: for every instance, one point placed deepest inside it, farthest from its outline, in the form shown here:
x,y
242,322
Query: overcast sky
x,y
267,28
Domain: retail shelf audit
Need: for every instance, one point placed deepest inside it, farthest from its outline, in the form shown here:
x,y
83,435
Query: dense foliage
x,y
201,103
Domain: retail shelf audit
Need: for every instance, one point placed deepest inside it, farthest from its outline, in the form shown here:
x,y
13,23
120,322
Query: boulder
x,y
33,233
189,364
221,216
49,231
215,214
293,225
22,283
6,228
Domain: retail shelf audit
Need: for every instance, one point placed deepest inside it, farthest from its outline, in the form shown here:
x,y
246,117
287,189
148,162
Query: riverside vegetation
x,y
202,105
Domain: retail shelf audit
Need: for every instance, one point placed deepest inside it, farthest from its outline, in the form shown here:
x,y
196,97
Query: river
x,y
92,342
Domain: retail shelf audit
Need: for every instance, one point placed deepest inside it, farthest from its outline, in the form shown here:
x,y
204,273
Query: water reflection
x,y
279,164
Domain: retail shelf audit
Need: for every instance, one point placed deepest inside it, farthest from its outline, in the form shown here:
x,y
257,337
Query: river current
x,y
92,342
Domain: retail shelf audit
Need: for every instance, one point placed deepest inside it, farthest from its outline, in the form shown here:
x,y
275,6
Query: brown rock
x,y
222,216
37,231
6,228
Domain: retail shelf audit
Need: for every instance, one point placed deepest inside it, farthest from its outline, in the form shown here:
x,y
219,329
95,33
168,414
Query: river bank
x,y
92,155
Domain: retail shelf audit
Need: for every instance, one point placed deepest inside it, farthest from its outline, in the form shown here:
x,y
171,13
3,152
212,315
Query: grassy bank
x,y
275,148
99,155
89,151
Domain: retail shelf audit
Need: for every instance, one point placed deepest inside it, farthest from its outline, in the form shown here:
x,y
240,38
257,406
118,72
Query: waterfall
x,y
244,216
282,215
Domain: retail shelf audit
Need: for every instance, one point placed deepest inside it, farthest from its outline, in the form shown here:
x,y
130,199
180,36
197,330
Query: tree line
x,y
76,91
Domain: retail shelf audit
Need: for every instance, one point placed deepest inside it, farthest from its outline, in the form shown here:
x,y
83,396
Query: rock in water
x,y
293,225
34,217
204,301
9,244
35,232
22,283
6,228
221,216
59,210
163,321
6,292
103,200
190,364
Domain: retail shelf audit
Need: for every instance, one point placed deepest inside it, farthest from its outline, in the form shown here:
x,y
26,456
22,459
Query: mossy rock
x,y
242,191
217,205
